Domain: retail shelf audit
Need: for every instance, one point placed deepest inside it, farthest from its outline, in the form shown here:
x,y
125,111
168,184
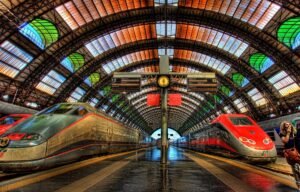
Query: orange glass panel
x,y
100,8
108,7
116,6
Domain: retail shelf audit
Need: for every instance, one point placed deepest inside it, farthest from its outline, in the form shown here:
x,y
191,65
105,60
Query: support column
x,y
164,126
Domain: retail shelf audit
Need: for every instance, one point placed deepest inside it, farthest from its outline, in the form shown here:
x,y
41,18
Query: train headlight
x,y
246,140
267,141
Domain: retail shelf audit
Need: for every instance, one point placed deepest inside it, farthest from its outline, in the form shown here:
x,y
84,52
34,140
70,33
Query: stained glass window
x,y
51,82
226,90
284,83
257,97
239,79
77,13
73,62
92,79
12,59
121,37
240,105
211,62
212,37
289,32
77,94
105,91
260,62
255,12
41,32
217,99
115,98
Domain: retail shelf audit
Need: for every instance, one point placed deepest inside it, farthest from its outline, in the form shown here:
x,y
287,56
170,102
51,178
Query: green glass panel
x,y
47,30
257,61
217,99
289,32
94,78
106,90
225,90
77,60
239,79
115,98
121,104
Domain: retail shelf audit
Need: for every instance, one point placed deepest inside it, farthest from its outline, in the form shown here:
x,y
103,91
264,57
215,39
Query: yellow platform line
x,y
231,181
40,176
91,180
286,181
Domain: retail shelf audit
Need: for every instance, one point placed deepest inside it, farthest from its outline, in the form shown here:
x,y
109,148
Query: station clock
x,y
163,81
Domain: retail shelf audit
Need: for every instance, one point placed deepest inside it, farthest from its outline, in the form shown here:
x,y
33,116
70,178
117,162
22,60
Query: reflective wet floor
x,y
142,171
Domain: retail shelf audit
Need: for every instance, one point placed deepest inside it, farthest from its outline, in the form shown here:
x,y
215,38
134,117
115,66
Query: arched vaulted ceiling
x,y
66,50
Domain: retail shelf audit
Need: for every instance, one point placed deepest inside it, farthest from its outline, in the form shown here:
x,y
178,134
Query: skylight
x,y
284,83
212,37
51,82
12,59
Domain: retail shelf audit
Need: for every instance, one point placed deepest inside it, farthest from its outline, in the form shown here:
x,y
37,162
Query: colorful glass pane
x,y
239,79
41,32
73,62
289,32
260,62
226,90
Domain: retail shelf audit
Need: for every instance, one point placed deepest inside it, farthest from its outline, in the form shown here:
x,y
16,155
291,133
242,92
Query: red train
x,y
11,120
235,135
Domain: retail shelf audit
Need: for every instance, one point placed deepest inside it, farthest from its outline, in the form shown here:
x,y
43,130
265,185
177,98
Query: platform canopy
x,y
67,50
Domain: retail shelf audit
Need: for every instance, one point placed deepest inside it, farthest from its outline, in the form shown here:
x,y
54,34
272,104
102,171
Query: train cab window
x,y
240,121
9,120
57,109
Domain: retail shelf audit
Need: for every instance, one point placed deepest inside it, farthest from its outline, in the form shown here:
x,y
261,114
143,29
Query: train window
x,y
9,120
240,121
57,109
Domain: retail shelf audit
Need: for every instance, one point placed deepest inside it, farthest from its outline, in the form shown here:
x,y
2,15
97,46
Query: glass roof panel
x,y
240,105
41,32
167,29
226,90
257,97
284,83
93,102
92,79
260,62
73,62
169,2
289,32
255,12
51,82
77,13
76,95
12,59
228,109
131,58
211,62
239,79
123,36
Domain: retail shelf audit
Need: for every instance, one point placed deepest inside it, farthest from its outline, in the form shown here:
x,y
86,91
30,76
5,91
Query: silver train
x,y
64,133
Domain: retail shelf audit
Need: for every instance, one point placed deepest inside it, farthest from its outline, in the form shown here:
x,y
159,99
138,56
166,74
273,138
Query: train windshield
x,y
240,121
65,108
